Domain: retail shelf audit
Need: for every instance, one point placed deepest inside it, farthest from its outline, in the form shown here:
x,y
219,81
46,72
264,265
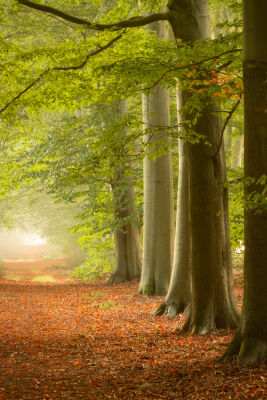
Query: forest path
x,y
93,341
36,270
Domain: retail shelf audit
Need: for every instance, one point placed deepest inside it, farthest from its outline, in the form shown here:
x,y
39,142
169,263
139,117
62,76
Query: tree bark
x,y
158,198
128,259
250,341
213,304
178,296
158,191
237,152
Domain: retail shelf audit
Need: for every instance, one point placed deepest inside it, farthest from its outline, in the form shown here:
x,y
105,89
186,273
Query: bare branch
x,y
130,23
73,67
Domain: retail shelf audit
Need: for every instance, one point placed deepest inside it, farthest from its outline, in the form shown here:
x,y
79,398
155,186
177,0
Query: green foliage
x,y
104,306
100,257
94,297
238,257
256,199
236,211
87,272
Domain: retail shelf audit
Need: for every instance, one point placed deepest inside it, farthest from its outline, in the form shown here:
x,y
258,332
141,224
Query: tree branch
x,y
130,23
93,53
195,64
225,125
24,91
73,67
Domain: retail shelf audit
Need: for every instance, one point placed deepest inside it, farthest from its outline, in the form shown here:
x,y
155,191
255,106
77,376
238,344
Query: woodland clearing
x,y
69,340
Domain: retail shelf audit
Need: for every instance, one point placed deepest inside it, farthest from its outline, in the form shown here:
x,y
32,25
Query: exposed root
x,y
160,310
186,327
115,280
249,350
197,327
232,349
187,310
171,310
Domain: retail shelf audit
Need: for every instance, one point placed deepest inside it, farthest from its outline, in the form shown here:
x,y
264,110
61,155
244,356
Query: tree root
x,y
160,310
171,309
248,350
115,280
197,328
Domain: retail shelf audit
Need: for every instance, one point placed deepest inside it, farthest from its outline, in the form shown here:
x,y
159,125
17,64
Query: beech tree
x,y
250,340
128,259
178,297
211,274
158,190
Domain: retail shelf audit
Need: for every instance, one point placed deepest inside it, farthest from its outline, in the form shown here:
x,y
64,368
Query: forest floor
x,y
60,339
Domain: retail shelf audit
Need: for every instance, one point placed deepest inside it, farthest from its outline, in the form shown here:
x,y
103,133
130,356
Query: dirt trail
x,y
36,270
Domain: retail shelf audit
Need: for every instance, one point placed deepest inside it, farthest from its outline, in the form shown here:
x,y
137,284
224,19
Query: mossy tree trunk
x,y
250,341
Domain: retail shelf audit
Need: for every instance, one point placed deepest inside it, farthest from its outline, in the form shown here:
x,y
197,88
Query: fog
x,y
18,245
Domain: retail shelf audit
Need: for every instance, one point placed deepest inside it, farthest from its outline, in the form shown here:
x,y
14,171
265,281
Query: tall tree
x,y
211,265
179,292
250,340
128,259
158,190
212,302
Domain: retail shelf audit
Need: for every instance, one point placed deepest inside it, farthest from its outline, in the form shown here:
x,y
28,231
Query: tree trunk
x,y
179,293
250,341
213,304
158,197
158,191
237,152
128,260
127,241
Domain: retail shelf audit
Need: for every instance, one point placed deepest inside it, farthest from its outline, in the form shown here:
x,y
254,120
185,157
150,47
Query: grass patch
x,y
13,277
44,278
94,299
93,295
103,306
